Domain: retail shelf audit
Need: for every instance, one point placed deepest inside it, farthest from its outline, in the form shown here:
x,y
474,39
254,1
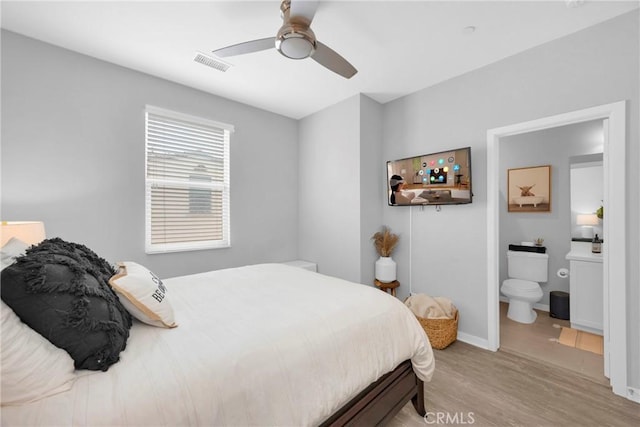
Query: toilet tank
x,y
528,266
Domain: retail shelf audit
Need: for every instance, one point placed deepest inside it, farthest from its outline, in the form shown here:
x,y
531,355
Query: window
x,y
187,182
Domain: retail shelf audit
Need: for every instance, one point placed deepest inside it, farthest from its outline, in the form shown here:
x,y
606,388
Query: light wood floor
x,y
504,389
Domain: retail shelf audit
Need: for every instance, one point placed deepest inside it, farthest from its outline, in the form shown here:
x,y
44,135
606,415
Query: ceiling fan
x,y
295,40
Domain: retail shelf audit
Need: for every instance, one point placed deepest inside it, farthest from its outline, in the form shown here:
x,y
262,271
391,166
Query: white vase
x,y
385,269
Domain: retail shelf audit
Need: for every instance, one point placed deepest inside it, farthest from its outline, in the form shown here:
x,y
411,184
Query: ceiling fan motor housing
x,y
295,39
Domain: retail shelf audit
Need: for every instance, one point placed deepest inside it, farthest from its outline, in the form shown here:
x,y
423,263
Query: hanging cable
x,y
410,247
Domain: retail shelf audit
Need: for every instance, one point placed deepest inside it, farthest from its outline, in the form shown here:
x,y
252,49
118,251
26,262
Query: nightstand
x,y
307,265
387,287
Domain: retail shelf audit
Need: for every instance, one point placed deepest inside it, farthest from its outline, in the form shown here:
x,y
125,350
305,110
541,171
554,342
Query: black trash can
x,y
559,305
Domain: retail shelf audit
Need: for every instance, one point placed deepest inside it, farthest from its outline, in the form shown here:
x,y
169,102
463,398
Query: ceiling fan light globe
x,y
295,46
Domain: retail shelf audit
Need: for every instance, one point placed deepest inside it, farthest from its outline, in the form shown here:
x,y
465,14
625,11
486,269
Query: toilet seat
x,y
521,287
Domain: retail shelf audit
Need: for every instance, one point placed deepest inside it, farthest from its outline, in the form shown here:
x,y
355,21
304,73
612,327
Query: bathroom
x,y
570,151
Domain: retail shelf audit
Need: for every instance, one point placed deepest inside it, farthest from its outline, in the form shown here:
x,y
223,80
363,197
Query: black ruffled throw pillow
x,y
61,290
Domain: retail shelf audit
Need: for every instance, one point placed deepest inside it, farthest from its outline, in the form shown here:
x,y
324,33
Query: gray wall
x,y
73,157
547,147
329,189
340,198
592,67
372,184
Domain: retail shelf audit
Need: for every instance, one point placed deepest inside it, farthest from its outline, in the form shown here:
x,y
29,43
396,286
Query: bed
x,y
267,344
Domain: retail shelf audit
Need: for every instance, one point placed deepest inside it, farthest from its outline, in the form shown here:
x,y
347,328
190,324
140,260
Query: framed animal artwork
x,y
529,189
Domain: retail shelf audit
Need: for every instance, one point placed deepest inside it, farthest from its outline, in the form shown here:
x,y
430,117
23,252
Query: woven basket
x,y
441,332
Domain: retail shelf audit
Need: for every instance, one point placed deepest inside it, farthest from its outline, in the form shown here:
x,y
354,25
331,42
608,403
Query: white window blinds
x,y
187,182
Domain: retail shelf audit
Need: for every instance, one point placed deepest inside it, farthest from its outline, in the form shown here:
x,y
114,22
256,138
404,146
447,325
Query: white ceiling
x,y
398,47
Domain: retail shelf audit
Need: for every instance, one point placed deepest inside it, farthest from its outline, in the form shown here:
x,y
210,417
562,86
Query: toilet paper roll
x,y
563,273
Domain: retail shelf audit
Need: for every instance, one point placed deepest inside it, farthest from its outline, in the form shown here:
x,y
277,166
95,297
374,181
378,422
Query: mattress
x,y
263,344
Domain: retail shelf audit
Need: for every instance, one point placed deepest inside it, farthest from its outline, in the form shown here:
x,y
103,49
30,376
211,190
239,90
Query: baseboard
x,y
633,394
541,307
473,340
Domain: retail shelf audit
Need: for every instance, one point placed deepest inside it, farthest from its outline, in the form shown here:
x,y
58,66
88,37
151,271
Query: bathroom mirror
x,y
587,193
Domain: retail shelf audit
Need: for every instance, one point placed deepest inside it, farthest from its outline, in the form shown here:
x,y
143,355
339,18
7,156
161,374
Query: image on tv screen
x,y
436,178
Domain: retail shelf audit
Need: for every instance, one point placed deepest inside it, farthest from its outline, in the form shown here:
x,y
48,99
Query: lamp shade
x,y
30,232
587,219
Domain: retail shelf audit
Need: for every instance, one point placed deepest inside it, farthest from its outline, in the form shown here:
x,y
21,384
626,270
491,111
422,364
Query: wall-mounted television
x,y
442,178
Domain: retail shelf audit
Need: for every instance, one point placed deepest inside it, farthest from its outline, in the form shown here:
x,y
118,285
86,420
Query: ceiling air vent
x,y
212,62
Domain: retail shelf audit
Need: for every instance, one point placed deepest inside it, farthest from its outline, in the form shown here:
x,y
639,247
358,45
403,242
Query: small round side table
x,y
387,287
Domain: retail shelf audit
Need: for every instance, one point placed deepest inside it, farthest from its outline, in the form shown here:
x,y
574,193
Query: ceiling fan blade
x,y
246,47
303,8
327,57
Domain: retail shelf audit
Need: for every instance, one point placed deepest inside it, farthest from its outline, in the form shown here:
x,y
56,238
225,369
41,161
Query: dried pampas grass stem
x,y
385,241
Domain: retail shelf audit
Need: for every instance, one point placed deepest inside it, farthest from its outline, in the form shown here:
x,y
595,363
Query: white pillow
x,y
142,293
10,251
32,368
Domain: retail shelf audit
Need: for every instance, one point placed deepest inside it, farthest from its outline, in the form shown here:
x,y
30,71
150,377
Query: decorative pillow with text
x,y
143,295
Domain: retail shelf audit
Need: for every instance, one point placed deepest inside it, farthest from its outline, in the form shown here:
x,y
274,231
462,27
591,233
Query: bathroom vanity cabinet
x,y
586,288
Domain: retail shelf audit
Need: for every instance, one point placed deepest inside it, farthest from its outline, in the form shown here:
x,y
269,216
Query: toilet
x,y
525,270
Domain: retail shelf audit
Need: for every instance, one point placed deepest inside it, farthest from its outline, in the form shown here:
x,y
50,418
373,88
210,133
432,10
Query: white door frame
x,y
614,228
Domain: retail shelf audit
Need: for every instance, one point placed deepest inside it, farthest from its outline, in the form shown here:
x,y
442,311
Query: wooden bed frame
x,y
382,400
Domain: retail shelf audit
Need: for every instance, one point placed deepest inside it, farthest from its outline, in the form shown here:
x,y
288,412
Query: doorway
x,y
576,189
614,259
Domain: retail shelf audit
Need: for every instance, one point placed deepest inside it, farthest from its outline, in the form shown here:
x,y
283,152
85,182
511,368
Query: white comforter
x,y
267,344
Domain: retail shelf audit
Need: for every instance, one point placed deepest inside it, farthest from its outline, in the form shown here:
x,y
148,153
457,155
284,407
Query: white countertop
x,y
581,251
